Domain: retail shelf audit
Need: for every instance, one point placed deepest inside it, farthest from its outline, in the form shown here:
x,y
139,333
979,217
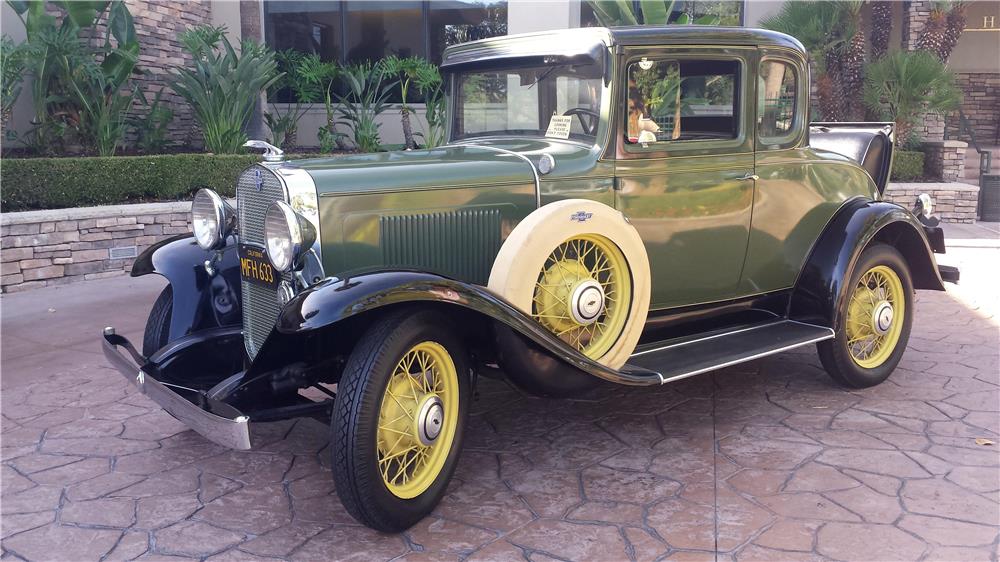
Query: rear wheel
x,y
398,420
157,332
874,321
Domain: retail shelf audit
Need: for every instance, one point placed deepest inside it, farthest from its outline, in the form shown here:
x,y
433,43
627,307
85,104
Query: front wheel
x,y
398,419
874,320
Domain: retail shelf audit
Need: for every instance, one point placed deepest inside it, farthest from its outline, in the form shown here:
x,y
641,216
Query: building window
x,y
358,31
727,12
376,30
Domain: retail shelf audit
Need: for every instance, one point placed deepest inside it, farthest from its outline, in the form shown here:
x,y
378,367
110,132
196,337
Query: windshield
x,y
555,101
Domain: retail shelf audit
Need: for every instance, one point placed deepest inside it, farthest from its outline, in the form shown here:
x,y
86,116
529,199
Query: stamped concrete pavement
x,y
764,461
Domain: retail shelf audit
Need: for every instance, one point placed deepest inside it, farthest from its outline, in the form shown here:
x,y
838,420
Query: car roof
x,y
583,41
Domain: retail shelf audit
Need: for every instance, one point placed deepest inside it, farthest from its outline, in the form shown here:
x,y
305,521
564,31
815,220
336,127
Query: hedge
x,y
907,165
52,183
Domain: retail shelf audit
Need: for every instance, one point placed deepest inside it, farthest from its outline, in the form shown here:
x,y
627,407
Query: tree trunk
x,y
404,114
881,28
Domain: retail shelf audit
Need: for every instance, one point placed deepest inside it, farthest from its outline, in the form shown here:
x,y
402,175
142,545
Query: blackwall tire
x,y
359,426
526,264
157,333
847,362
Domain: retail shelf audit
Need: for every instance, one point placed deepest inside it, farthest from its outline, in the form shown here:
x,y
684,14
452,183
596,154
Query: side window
x,y
776,99
678,100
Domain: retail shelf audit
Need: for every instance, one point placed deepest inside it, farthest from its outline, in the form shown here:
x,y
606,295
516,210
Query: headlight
x,y
288,234
212,219
925,205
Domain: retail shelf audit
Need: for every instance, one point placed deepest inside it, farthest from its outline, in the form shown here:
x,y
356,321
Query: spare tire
x,y
581,271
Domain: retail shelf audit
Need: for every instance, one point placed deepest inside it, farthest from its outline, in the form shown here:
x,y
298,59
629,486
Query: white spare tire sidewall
x,y
522,258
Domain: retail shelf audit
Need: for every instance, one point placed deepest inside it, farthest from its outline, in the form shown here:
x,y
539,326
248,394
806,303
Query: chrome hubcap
x,y
882,318
587,302
429,420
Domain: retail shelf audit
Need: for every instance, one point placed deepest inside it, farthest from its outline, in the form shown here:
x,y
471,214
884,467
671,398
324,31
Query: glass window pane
x,y
458,21
776,99
310,27
681,100
376,30
523,101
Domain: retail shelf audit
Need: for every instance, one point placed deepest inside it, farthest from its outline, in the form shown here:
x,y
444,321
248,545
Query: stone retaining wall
x,y
945,160
954,202
45,248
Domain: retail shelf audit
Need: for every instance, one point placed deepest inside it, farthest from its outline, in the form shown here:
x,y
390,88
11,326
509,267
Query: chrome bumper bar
x,y
214,420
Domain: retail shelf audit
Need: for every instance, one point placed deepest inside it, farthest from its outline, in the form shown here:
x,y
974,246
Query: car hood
x,y
446,166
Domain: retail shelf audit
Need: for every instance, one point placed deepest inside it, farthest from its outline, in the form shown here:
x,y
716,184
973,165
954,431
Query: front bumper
x,y
213,419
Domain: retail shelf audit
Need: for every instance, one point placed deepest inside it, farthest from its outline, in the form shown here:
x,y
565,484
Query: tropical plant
x,y
366,98
12,67
943,28
425,76
153,126
322,76
611,13
904,85
222,85
429,82
284,125
103,106
830,32
76,81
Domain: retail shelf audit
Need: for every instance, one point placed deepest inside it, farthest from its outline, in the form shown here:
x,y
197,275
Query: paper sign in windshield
x,y
559,126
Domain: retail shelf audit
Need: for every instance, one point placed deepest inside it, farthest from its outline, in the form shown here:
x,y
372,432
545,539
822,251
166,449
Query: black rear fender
x,y
201,300
821,286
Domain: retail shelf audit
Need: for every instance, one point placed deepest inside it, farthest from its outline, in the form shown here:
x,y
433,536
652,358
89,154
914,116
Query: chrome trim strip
x,y
534,170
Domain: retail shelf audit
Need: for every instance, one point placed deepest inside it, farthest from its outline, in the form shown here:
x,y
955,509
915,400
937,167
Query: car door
x,y
685,167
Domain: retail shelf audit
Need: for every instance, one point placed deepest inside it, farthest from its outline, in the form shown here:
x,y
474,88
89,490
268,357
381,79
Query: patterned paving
x,y
767,461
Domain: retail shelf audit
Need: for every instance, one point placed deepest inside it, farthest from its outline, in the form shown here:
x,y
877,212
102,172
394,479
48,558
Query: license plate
x,y
256,268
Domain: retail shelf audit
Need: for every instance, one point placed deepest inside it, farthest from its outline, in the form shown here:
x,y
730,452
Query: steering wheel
x,y
589,125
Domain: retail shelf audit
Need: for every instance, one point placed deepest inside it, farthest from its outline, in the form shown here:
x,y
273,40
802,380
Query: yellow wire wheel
x,y
579,269
583,292
417,420
875,314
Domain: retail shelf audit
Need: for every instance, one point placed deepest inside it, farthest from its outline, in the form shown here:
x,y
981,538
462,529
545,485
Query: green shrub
x,y
907,165
52,183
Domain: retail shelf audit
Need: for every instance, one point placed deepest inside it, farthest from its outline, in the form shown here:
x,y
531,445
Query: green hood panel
x,y
449,166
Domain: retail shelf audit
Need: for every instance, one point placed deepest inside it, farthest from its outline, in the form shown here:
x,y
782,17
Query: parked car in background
x,y
633,205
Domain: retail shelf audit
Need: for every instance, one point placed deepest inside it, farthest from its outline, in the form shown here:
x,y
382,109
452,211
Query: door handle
x,y
753,177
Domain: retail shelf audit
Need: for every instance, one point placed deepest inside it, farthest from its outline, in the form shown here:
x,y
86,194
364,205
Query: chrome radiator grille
x,y
256,188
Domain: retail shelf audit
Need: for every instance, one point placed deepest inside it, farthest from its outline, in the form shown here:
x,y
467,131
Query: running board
x,y
684,359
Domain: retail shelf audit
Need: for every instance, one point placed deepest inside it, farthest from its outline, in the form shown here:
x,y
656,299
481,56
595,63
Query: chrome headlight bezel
x,y
212,219
287,236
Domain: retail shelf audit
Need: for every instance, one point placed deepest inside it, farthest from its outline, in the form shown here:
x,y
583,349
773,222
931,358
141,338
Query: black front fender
x,y
334,301
821,286
201,300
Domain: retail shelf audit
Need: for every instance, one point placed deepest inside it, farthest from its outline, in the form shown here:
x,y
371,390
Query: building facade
x,y
350,31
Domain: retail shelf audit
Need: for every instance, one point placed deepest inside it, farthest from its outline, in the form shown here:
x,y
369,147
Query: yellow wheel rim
x,y
583,294
875,316
417,419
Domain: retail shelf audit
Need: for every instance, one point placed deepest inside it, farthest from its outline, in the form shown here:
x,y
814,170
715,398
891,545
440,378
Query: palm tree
x,y
612,13
905,85
825,29
881,27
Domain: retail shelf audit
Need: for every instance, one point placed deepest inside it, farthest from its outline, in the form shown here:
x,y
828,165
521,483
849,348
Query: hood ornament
x,y
271,152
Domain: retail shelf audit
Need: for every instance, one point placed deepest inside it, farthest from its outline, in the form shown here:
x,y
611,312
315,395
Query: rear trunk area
x,y
868,144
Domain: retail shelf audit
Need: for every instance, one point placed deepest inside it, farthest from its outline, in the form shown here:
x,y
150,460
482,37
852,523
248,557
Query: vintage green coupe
x,y
634,205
